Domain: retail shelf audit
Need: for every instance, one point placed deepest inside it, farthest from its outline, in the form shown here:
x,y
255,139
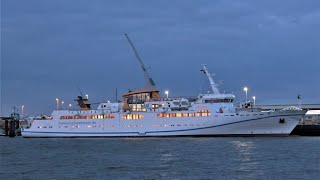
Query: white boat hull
x,y
254,124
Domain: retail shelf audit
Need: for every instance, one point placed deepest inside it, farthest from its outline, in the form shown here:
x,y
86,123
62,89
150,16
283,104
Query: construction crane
x,y
149,84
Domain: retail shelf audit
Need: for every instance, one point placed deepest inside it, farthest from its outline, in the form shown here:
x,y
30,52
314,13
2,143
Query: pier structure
x,y
281,106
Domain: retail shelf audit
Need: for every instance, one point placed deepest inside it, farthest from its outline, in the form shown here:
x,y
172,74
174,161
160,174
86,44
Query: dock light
x,y
167,93
57,103
70,105
254,100
22,108
246,90
87,96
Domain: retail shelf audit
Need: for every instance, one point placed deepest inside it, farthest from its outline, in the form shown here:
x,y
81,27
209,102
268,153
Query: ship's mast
x,y
149,81
213,85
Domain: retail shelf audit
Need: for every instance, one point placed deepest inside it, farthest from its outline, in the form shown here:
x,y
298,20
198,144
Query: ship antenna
x,y
149,81
213,85
80,91
116,94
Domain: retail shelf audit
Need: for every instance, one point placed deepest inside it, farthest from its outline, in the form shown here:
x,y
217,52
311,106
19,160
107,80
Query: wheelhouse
x,y
134,100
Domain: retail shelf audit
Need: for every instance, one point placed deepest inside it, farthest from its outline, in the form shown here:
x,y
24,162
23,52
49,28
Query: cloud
x,y
50,47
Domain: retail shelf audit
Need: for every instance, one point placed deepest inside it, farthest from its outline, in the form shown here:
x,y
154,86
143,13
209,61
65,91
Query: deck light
x,y
246,90
167,93
57,103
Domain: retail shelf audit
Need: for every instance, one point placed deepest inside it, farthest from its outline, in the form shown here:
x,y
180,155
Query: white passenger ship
x,y
143,113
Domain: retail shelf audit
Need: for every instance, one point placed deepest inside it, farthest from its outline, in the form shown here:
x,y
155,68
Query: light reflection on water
x,y
245,150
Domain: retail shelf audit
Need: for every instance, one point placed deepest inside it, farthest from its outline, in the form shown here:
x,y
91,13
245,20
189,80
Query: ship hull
x,y
266,124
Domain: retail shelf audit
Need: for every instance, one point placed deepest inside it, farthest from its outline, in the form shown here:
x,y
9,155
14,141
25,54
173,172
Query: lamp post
x,y
254,101
87,96
62,103
246,90
22,108
167,93
57,103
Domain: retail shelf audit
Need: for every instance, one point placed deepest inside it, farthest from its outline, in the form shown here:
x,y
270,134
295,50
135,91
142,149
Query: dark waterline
x,y
161,158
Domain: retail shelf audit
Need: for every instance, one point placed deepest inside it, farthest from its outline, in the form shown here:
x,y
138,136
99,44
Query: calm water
x,y
161,158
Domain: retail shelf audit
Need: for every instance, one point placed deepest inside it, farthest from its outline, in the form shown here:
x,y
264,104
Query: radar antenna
x,y
149,81
213,85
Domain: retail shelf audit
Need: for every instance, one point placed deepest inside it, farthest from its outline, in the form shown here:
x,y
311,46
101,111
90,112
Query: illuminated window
x,y
191,114
155,106
132,116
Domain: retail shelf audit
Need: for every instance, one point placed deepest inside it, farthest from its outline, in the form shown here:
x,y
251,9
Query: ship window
x,y
132,116
191,114
209,101
155,106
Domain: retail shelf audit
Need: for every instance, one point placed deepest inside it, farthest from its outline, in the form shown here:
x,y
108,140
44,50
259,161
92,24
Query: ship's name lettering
x,y
77,123
201,107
